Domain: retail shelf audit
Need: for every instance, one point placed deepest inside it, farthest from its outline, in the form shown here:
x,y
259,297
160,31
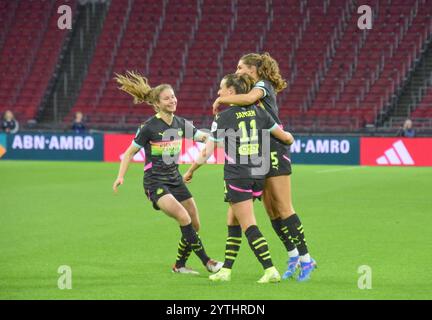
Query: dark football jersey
x,y
162,144
268,101
246,133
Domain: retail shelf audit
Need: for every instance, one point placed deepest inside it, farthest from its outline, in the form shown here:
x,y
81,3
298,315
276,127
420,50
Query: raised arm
x,y
124,165
239,99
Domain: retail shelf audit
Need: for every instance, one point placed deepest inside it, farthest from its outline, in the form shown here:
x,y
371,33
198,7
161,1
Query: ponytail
x,y
138,87
267,68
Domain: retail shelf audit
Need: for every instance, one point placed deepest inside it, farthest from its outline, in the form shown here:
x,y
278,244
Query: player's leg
x,y
184,248
233,241
232,246
280,165
276,221
244,213
183,195
280,188
168,204
281,230
192,210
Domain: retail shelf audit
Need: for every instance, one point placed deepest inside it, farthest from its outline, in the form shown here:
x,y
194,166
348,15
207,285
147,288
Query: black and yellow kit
x,y
279,152
246,133
162,144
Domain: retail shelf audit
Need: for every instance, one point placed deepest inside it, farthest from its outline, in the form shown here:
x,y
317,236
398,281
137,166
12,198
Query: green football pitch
x,y
65,214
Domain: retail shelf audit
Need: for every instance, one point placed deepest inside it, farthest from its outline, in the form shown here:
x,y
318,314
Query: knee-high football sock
x,y
194,241
296,233
259,246
183,253
232,245
283,235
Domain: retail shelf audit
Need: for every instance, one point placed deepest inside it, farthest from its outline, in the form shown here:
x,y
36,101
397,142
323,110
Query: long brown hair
x,y
241,83
267,68
139,88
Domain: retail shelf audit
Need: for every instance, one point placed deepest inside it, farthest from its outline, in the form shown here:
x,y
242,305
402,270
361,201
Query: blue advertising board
x,y
48,146
326,150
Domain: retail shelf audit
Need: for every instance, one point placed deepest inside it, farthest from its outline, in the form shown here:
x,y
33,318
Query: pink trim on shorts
x,y
239,189
286,158
230,160
257,194
148,166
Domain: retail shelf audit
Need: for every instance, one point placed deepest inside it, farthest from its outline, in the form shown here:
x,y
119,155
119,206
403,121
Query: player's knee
x,y
231,221
246,224
183,218
196,225
193,214
286,213
273,214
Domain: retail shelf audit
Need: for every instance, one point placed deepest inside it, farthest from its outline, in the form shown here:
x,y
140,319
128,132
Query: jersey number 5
x,y
274,159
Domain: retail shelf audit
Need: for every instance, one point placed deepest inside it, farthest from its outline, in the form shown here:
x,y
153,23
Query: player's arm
x,y
124,165
239,99
201,136
205,153
194,133
214,138
282,135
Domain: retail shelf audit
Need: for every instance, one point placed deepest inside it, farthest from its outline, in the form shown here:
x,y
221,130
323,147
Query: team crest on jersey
x,y
214,126
180,133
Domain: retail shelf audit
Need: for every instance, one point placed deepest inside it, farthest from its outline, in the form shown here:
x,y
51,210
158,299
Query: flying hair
x,y
139,88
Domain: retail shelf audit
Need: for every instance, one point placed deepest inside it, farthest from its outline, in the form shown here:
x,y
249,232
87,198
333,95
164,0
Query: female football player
x,y
161,137
277,188
244,132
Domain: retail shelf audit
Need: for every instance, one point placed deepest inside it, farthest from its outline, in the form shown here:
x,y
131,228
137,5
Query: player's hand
x,y
204,138
216,105
118,182
187,177
290,138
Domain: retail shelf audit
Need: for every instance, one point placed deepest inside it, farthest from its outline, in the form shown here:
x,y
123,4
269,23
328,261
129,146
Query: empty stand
x,y
338,75
29,54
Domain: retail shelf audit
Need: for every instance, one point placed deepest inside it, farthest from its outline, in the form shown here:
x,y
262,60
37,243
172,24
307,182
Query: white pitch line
x,y
339,169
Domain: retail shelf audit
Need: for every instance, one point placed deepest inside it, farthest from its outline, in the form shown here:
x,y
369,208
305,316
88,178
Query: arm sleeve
x,y
141,136
217,129
261,85
191,129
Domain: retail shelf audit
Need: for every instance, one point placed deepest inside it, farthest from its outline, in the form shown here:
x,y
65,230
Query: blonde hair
x,y
267,68
139,88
